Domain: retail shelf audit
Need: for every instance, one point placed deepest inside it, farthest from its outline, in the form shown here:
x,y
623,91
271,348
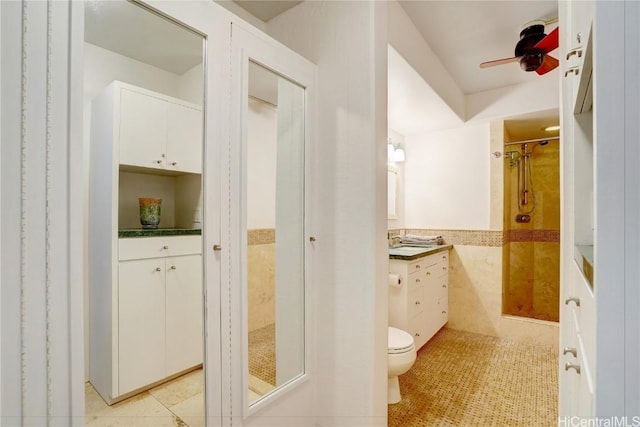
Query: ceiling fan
x,y
532,50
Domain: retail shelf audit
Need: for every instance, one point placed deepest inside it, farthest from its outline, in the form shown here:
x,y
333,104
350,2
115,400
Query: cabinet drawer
x,y
415,302
421,264
156,247
416,281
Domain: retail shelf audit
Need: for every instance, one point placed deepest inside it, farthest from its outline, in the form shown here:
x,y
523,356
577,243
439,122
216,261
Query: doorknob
x,y
217,248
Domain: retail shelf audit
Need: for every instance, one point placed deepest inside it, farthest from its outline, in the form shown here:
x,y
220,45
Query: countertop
x,y
152,232
409,252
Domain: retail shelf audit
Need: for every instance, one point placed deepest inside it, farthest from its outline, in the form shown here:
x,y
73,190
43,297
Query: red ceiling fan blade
x,y
499,62
549,64
550,42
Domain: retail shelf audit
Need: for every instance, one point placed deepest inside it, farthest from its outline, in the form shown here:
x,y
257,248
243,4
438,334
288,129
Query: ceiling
x,y
132,31
461,33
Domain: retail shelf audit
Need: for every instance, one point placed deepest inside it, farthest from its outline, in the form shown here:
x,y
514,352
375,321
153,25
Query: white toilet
x,y
401,357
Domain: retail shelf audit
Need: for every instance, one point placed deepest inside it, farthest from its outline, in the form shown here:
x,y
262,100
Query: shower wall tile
x,y
475,289
261,282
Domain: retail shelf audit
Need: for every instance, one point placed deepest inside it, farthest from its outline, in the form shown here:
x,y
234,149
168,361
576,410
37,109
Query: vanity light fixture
x,y
398,155
394,153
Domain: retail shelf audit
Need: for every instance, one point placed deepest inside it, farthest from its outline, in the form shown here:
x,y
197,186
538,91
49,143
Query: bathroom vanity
x,y
146,285
420,305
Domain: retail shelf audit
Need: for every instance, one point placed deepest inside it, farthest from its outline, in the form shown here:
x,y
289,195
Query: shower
x,y
531,220
521,159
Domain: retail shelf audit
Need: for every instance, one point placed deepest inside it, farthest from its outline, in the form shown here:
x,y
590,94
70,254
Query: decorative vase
x,y
149,212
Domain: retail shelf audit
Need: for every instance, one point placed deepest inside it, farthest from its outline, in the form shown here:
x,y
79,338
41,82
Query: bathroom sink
x,y
409,250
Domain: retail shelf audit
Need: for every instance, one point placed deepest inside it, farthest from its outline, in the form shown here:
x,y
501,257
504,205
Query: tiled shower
x,y
531,250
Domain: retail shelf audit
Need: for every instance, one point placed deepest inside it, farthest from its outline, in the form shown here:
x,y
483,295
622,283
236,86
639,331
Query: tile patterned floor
x,y
178,403
464,379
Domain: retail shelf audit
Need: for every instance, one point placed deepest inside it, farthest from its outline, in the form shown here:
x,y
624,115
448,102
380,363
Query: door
x,y
184,312
184,138
143,129
141,323
269,314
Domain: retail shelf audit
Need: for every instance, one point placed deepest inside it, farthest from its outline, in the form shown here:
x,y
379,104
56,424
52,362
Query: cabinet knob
x,y
570,350
572,70
579,37
444,257
568,366
159,162
165,247
444,268
417,302
158,269
576,301
417,334
417,280
444,312
174,163
417,266
444,286
312,239
173,267
428,273
217,248
574,52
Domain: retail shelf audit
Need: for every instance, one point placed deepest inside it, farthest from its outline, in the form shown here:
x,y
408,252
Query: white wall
x,y
447,179
262,138
347,40
409,43
190,85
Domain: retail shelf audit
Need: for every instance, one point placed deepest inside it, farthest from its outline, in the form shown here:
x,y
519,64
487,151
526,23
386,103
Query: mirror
x,y
144,90
274,205
392,193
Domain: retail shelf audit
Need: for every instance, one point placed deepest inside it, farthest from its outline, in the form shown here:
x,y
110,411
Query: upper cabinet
x,y
579,66
158,131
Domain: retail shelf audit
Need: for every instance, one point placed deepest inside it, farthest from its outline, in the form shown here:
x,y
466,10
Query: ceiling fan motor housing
x,y
531,57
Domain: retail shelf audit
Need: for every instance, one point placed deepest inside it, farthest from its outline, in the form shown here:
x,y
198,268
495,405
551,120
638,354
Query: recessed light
x,y
552,128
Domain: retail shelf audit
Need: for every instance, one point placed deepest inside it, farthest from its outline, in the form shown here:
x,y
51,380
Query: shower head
x,y
545,142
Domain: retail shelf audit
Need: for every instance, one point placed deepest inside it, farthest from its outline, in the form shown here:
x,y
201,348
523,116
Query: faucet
x,y
394,241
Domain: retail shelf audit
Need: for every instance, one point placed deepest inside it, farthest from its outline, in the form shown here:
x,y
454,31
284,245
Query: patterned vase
x,y
149,212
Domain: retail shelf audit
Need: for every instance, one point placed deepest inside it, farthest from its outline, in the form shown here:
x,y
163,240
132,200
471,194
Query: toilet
x,y
401,356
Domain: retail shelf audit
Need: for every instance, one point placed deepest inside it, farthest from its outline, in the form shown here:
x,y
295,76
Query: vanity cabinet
x,y
156,131
420,305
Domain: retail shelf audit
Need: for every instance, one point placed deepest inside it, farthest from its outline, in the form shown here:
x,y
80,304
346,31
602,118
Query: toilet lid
x,y
399,340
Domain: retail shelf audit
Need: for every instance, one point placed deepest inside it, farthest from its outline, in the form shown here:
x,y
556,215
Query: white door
x,y
184,312
184,138
270,114
143,130
141,323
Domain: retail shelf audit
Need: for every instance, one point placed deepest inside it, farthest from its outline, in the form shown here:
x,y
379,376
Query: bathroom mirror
x,y
392,193
275,227
144,75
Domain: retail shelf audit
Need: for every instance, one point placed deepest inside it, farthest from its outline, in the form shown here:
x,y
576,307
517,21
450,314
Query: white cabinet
x,y
421,305
157,131
140,324
156,328
159,319
146,287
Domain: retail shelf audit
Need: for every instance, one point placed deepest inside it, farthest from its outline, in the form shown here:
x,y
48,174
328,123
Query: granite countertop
x,y
152,232
409,252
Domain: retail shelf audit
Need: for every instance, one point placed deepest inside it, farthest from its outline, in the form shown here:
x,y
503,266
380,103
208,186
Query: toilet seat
x,y
399,341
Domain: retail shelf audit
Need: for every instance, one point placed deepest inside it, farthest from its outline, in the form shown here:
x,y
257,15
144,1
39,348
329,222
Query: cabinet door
x,y
141,323
184,312
184,138
143,130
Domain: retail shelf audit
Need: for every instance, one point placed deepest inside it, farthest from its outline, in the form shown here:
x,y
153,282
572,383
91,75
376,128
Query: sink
x,y
409,250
